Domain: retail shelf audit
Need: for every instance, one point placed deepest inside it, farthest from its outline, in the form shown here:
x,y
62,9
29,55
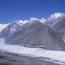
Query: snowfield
x,y
53,55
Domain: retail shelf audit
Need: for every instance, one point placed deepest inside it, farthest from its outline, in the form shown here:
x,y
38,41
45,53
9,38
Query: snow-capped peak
x,y
55,16
2,26
33,19
21,22
42,20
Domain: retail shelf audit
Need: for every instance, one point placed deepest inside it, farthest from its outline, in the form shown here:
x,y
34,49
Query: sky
x,y
12,10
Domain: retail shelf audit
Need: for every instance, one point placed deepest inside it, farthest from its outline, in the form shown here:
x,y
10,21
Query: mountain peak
x,y
21,22
33,19
55,16
42,20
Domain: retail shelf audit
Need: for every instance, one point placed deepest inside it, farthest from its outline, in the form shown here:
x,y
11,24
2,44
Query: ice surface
x,y
34,52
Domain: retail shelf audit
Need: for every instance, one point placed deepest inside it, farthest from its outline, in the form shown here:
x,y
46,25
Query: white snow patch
x,y
21,22
42,20
59,56
55,16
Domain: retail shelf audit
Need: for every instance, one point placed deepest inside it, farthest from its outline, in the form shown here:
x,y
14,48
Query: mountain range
x,y
46,33
34,41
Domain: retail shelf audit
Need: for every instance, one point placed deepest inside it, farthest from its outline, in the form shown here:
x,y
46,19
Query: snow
x,y
42,20
32,19
56,56
2,26
12,30
55,16
21,22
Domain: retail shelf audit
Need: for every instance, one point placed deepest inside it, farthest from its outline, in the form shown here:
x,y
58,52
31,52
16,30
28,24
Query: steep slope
x,y
37,34
2,26
12,27
60,28
17,25
57,22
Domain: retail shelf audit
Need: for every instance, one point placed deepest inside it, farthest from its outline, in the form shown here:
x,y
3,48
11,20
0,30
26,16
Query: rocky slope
x,y
57,23
37,34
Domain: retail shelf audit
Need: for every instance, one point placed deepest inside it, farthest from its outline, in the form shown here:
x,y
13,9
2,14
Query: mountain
x,y
12,27
41,34
60,28
57,22
36,34
17,25
54,18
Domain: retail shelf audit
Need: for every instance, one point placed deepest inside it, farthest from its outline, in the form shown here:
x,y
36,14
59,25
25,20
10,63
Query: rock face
x,y
60,28
57,22
38,35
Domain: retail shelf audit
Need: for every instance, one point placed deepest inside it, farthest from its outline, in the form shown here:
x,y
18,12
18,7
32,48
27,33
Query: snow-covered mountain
x,y
34,32
60,28
34,38
12,27
57,22
54,18
17,25
37,35
42,20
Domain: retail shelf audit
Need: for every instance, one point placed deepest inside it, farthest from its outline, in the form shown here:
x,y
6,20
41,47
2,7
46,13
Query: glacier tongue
x,y
57,56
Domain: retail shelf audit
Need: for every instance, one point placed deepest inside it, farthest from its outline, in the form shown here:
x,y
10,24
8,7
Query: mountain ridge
x,y
33,32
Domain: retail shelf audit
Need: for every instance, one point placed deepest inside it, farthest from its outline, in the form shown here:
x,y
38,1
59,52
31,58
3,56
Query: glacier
x,y
55,56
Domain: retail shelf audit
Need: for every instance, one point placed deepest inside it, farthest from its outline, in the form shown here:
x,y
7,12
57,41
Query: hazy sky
x,y
11,10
